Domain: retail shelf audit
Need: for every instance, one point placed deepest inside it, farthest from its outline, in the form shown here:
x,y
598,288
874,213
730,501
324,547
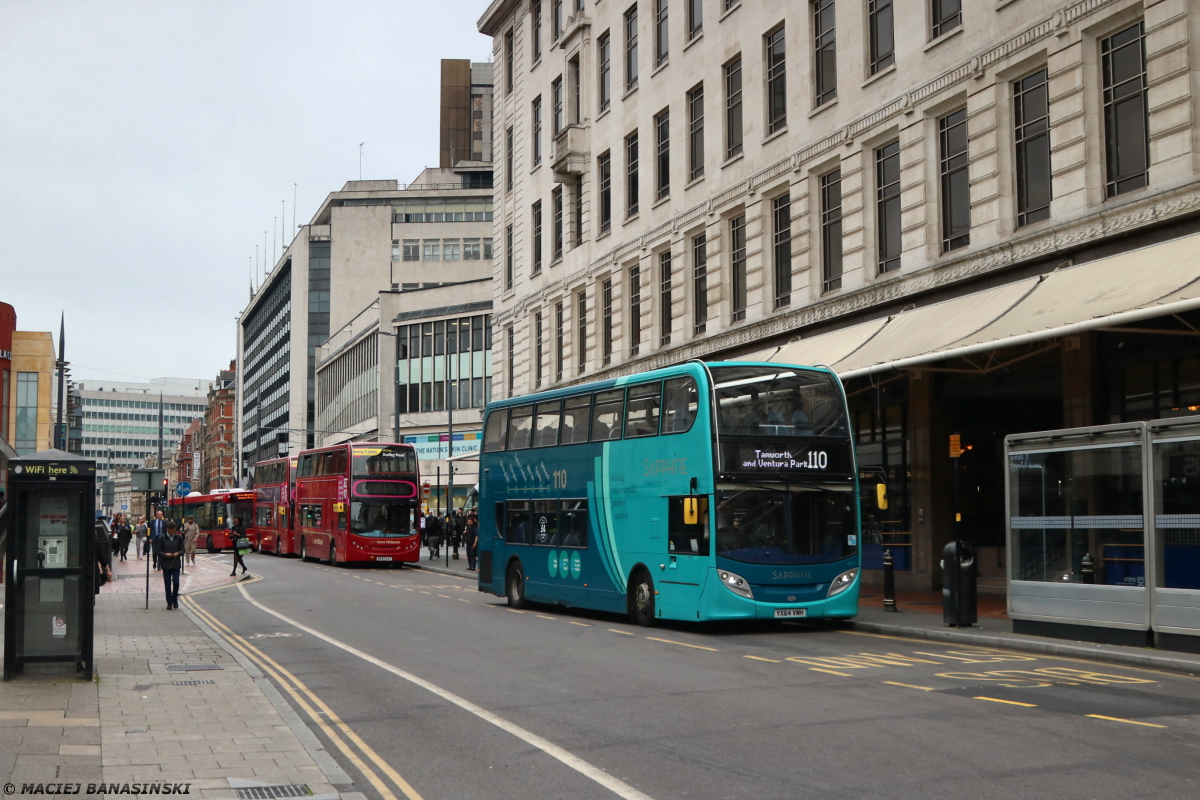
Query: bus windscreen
x,y
381,518
377,460
776,525
763,401
243,509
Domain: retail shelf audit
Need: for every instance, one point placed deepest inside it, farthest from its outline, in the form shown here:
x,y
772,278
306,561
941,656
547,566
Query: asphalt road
x,y
420,686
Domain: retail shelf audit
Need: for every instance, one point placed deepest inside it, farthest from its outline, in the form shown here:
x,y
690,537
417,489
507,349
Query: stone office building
x,y
371,236
965,208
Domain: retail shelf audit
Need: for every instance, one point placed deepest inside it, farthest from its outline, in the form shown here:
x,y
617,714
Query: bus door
x,y
688,553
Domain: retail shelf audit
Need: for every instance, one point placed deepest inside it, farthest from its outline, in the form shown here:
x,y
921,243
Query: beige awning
x,y
826,349
1153,281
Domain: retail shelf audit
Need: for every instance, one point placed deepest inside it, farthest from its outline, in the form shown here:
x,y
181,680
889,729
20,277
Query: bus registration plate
x,y
790,612
383,558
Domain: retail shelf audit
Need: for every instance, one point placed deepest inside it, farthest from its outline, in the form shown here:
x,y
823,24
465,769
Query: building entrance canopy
x,y
1154,281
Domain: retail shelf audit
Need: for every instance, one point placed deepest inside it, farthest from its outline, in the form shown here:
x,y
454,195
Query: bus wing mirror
x,y
691,510
881,498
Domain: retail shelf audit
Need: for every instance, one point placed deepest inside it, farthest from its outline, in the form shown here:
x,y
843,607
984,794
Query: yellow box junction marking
x,y
683,644
1129,721
911,686
1007,702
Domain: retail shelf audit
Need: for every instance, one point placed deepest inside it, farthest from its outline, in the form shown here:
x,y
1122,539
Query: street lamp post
x,y
450,440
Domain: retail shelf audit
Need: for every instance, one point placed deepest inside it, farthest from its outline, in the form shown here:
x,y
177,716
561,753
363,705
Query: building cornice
x,y
1105,224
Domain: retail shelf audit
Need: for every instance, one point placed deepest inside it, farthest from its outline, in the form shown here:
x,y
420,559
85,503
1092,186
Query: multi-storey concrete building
x,y
413,364
120,420
865,185
371,237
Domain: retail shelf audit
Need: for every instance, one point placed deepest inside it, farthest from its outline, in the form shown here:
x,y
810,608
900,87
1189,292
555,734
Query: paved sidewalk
x,y
130,576
458,567
138,722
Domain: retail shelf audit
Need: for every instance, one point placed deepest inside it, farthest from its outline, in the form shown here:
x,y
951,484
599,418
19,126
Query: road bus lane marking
x,y
1043,678
317,710
561,754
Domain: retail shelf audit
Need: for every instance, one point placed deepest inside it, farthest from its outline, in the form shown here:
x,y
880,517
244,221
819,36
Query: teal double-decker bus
x,y
703,491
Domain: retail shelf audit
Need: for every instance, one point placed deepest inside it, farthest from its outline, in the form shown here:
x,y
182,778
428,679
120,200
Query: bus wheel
x,y
278,544
516,587
332,554
641,600
211,547
304,550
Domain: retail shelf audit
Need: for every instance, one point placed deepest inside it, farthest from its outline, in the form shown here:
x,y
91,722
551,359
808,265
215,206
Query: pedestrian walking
x,y
103,554
433,535
241,544
124,535
191,532
139,531
158,529
456,531
169,548
472,537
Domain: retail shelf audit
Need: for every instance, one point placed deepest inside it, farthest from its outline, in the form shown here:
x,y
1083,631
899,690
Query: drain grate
x,y
192,667
135,730
190,683
271,792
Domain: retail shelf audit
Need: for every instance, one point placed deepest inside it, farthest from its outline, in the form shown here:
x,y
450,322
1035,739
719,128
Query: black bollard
x,y
1087,569
889,582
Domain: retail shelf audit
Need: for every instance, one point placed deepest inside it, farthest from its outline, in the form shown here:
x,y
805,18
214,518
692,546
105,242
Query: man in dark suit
x,y
170,560
158,529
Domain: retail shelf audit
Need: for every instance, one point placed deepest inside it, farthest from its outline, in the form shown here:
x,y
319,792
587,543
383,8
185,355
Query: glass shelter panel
x,y
1071,503
1177,514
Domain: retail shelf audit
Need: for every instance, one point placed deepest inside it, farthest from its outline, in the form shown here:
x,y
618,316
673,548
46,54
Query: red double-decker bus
x,y
274,489
358,502
214,512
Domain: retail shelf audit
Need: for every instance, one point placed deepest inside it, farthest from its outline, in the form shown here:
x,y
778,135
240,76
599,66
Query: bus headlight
x,y
736,584
841,582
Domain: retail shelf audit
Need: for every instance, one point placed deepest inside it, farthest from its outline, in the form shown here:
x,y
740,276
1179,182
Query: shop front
x,y
1105,342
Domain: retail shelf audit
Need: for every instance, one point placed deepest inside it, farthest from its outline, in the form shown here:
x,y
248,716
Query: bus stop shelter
x,y
1104,532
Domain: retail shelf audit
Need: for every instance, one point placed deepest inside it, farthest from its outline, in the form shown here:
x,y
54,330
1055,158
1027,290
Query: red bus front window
x,y
243,509
382,518
381,460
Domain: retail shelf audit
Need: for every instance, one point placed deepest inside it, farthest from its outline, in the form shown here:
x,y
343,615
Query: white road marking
x,y
615,785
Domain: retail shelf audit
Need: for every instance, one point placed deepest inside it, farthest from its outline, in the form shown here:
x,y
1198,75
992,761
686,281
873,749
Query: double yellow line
x,y
320,713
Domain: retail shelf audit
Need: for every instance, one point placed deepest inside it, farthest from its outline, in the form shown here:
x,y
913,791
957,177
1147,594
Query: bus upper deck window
x,y
520,427
496,432
681,400
546,424
577,413
606,415
641,412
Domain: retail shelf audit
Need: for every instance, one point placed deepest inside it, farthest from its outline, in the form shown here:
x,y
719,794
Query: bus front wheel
x,y
641,600
515,587
211,547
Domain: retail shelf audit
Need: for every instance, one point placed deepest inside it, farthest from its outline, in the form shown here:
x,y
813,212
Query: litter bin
x,y
959,578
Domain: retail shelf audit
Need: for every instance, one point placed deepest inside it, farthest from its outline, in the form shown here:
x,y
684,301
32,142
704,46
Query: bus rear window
x,y
496,431
546,424
606,415
641,412
765,401
576,413
520,426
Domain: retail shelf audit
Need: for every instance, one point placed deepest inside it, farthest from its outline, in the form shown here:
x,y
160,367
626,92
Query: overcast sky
x,y
145,147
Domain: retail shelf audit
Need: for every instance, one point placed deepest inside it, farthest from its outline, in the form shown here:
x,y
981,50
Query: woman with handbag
x,y
103,554
241,545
